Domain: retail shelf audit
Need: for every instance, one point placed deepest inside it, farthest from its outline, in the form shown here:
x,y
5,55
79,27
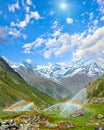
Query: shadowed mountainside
x,y
13,88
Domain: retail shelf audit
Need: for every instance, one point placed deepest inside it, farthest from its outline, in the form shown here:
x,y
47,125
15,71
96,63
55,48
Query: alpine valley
x,y
30,96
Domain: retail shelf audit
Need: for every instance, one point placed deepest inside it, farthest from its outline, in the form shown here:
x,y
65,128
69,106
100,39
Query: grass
x,y
80,121
13,115
54,117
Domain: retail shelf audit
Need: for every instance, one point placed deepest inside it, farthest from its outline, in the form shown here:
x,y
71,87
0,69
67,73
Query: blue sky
x,y
44,31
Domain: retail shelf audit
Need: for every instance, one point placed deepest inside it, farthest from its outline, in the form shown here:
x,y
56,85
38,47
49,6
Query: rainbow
x,y
64,105
20,106
70,107
75,104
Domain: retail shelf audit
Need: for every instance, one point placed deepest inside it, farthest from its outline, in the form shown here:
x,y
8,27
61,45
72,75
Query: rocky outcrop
x,y
35,122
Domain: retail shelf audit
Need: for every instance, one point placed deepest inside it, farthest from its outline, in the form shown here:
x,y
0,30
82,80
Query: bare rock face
x,y
76,82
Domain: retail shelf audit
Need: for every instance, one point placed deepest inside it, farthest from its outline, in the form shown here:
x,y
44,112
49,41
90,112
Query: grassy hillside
x,y
96,89
13,88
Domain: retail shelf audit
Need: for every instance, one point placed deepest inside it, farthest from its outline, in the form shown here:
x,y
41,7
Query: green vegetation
x,y
96,89
81,121
13,88
5,115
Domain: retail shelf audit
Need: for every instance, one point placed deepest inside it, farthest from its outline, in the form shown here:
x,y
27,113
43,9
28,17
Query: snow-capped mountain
x,y
74,76
62,70
59,71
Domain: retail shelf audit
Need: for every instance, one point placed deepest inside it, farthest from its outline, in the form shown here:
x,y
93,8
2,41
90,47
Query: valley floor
x,y
90,119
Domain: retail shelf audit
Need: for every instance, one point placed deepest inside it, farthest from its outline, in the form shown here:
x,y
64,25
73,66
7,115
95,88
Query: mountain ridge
x,y
13,88
73,76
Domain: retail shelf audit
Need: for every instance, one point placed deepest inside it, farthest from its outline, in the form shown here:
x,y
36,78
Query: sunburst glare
x,y
63,6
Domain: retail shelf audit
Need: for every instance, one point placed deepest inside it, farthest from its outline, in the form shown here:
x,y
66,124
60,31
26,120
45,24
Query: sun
x,y
63,6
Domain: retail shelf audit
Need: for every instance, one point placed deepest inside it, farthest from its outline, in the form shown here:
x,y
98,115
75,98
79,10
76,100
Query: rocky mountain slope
x,y
13,88
76,82
80,74
73,76
42,83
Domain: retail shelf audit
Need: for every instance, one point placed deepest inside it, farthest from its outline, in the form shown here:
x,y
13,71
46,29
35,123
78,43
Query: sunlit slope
x,y
13,88
96,89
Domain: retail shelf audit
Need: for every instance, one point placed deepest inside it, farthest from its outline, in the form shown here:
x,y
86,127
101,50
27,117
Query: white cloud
x,y
23,23
35,44
5,32
47,54
56,33
80,44
95,22
91,45
35,15
38,42
102,18
64,38
28,61
58,46
12,24
69,20
55,43
29,2
27,8
101,5
91,16
55,25
13,7
14,32
62,49
27,48
51,42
